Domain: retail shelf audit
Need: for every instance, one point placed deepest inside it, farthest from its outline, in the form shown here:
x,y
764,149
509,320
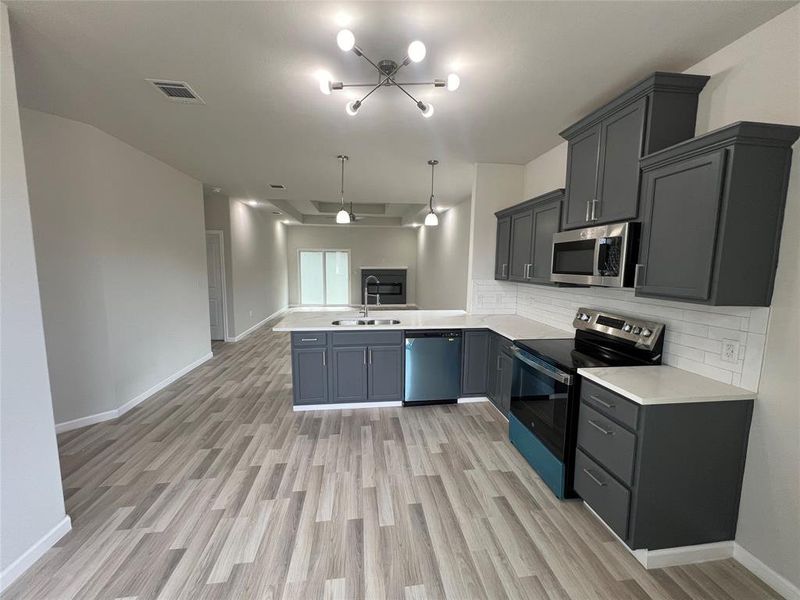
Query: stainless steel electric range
x,y
545,391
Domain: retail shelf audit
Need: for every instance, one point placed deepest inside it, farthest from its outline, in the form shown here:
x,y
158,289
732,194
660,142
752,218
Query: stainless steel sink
x,y
355,322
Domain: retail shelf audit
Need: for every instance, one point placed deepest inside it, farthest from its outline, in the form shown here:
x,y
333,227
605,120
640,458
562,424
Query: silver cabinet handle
x,y
588,208
594,207
308,339
365,356
323,357
601,402
600,429
498,363
636,272
594,478
370,355
505,269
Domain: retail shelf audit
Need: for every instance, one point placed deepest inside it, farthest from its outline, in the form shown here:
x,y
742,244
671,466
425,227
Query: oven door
x,y
540,400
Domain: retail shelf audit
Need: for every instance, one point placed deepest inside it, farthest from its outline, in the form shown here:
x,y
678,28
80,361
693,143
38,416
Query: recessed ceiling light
x,y
277,186
276,212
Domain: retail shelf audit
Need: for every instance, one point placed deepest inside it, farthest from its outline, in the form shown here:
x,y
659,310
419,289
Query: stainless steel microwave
x,y
603,255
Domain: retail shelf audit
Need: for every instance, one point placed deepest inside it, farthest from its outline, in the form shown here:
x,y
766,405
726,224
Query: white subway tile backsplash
x,y
694,332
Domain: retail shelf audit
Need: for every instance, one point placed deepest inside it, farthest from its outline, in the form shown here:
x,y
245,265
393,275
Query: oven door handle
x,y
552,373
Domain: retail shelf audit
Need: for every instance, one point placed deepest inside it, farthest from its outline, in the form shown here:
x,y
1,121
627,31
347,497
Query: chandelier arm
x,y
402,89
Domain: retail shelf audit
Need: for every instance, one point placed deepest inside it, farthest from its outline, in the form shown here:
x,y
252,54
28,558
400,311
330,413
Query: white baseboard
x,y
775,580
672,557
261,323
345,406
472,399
118,412
34,553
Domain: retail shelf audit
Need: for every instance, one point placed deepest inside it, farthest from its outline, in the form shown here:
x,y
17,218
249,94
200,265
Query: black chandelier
x,y
387,72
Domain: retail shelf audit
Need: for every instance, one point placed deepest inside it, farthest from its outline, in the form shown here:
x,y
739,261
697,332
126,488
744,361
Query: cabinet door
x,y
475,364
504,383
503,250
546,222
680,213
310,375
582,159
385,373
622,136
349,374
521,239
492,373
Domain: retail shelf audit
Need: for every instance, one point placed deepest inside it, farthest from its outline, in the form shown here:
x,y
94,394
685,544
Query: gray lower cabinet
x,y
310,375
347,367
712,213
349,374
661,476
475,363
500,369
385,373
530,226
605,146
503,248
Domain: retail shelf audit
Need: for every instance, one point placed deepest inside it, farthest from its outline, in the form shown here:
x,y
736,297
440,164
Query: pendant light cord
x,y
430,202
342,190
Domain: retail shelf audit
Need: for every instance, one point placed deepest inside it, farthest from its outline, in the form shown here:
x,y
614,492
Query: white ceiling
x,y
528,69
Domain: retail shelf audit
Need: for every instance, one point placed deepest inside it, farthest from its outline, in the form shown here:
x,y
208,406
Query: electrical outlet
x,y
730,351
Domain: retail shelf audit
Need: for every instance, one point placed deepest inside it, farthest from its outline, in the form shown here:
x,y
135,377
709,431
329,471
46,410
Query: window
x,y
324,277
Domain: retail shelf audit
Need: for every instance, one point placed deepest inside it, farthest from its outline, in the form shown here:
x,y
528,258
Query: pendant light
x,y
342,216
431,220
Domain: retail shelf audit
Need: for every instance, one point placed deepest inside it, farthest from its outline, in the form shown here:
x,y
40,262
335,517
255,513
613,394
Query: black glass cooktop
x,y
570,354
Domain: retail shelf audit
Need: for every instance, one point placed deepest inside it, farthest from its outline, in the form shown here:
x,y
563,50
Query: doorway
x,y
217,301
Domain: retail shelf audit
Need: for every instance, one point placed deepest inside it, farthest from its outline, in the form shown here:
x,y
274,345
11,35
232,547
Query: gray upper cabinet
x,y
310,375
712,212
521,244
503,248
532,225
475,365
385,373
349,374
605,147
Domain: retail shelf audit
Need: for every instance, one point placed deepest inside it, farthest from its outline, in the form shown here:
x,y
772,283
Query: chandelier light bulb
x,y
416,51
325,86
453,81
427,111
345,40
431,220
352,107
342,217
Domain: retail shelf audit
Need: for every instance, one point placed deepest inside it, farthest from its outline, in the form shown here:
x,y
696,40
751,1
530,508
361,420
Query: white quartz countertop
x,y
513,327
664,385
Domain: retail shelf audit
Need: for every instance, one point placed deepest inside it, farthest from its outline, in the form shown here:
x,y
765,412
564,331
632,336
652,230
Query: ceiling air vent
x,y
177,91
277,186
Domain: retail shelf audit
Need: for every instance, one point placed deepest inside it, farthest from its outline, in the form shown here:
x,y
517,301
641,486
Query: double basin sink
x,y
354,322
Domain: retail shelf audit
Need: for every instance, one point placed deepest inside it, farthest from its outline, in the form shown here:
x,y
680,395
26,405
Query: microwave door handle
x,y
596,266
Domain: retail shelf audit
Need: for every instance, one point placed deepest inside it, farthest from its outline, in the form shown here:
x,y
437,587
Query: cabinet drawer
x,y
309,338
610,443
607,497
367,338
610,404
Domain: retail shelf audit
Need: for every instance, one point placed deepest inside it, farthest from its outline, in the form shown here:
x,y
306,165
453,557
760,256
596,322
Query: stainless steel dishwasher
x,y
433,367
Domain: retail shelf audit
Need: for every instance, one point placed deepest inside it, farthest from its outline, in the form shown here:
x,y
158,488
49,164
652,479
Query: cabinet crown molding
x,y
557,193
742,132
660,81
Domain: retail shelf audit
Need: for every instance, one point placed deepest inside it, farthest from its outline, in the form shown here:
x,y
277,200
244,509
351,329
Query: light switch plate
x,y
730,351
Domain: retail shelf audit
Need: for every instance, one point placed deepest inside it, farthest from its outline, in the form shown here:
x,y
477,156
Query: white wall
x,y
442,254
31,501
387,247
120,249
755,78
259,265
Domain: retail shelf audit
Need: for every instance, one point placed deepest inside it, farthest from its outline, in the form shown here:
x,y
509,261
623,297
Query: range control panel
x,y
643,333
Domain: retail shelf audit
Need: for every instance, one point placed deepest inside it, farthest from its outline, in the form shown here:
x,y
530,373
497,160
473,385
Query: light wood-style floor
x,y
216,489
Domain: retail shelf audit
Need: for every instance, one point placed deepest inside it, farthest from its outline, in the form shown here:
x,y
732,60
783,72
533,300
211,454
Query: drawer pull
x,y
600,429
594,478
308,339
601,402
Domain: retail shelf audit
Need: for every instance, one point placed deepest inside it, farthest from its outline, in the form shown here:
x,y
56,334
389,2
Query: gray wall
x,y
369,247
258,265
120,248
217,212
31,501
442,260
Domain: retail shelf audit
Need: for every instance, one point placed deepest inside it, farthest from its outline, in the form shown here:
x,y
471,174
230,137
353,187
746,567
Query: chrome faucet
x,y
365,309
